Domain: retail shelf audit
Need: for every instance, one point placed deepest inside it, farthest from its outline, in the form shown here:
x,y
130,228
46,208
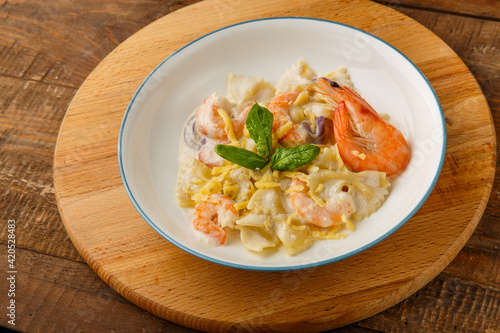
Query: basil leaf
x,y
289,159
260,126
240,156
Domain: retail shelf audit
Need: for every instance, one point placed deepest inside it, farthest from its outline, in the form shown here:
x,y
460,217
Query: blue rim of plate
x,y
298,266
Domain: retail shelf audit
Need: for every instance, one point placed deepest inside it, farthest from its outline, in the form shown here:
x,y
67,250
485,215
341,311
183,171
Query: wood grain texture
x,y
157,276
60,47
489,9
47,285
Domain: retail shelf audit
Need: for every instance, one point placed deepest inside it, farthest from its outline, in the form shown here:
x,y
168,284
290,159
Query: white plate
x,y
151,128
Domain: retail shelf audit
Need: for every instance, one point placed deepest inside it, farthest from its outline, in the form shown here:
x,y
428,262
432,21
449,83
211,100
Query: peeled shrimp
x,y
210,123
365,140
208,156
327,216
280,108
214,214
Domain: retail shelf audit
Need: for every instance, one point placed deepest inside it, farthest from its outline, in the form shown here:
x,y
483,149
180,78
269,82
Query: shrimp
x,y
327,216
280,108
211,124
207,154
214,214
209,157
365,140
239,122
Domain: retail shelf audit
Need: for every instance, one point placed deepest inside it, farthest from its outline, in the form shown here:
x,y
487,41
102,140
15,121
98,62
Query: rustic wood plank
x,y
447,304
61,41
28,132
464,298
54,295
478,263
487,9
476,41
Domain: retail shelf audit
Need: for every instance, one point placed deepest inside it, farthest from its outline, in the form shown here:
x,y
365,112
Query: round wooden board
x,y
157,276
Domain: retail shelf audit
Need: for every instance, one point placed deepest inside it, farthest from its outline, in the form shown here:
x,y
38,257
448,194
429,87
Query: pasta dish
x,y
286,165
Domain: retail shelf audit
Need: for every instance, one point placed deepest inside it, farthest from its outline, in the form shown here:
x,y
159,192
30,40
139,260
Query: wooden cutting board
x,y
157,276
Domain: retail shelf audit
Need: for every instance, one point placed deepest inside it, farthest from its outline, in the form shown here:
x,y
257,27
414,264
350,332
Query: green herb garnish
x,y
240,156
260,125
289,159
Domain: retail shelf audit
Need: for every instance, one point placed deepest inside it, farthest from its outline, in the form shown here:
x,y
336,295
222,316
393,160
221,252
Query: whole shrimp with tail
x,y
365,140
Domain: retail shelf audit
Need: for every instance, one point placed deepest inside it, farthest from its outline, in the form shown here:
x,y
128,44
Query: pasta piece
x,y
257,232
193,176
318,109
321,234
240,177
295,240
245,90
325,176
266,201
341,76
329,159
255,220
256,239
297,114
296,78
368,204
266,182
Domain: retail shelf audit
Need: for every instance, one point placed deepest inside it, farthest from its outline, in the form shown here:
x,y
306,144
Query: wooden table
x,y
46,52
